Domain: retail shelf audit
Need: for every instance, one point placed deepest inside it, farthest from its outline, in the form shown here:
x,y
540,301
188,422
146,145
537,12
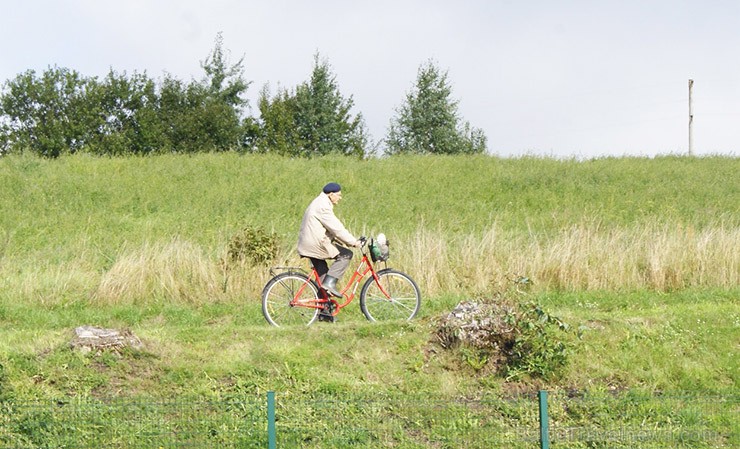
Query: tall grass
x,y
174,271
585,257
658,258
155,229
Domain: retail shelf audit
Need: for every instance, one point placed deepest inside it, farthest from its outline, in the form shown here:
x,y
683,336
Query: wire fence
x,y
410,422
564,420
122,423
639,420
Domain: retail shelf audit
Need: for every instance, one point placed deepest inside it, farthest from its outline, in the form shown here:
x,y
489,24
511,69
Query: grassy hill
x,y
608,224
641,255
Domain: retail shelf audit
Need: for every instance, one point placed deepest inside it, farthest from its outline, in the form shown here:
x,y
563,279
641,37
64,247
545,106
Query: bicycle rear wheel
x,y
283,289
402,301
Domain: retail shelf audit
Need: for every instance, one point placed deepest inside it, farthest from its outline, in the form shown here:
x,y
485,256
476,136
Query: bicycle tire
x,y
278,294
404,301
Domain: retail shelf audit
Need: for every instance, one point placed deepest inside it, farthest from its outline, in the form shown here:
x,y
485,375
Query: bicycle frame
x,y
362,270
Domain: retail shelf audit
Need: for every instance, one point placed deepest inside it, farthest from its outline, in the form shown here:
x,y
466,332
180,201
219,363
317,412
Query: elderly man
x,y
320,229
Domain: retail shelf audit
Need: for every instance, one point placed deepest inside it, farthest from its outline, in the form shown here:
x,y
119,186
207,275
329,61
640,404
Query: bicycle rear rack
x,y
274,271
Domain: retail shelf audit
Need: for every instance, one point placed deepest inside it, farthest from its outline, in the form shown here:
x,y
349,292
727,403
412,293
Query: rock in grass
x,y
91,338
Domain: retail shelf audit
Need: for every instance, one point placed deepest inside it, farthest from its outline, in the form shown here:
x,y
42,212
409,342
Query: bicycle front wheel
x,y
395,296
287,300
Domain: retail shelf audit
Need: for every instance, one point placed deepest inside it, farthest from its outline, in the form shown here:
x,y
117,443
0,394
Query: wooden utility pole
x,y
691,121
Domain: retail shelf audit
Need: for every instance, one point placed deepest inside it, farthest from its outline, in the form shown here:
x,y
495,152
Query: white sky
x,y
543,77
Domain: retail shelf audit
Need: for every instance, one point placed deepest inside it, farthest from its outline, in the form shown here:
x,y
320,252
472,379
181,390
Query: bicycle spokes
x,y
392,295
288,299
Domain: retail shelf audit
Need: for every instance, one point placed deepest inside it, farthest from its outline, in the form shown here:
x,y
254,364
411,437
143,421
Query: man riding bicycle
x,y
295,296
320,228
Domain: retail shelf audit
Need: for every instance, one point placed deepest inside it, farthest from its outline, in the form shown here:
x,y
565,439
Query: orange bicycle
x,y
295,296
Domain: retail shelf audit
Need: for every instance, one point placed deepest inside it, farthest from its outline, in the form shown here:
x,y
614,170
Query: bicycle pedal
x,y
327,318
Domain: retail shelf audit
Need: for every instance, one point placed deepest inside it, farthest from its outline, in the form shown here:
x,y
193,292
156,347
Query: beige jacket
x,y
319,228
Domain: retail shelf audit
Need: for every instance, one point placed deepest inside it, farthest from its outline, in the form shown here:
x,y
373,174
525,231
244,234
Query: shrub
x,y
252,245
537,349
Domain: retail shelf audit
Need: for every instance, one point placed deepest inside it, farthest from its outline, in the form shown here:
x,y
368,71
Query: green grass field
x,y
642,255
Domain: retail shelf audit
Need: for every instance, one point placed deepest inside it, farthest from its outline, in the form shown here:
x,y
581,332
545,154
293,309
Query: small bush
x,y
537,349
253,245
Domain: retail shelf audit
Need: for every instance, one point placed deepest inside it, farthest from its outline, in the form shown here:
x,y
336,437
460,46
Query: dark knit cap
x,y
332,187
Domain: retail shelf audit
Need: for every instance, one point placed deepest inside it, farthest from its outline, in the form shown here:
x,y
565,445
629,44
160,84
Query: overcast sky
x,y
555,78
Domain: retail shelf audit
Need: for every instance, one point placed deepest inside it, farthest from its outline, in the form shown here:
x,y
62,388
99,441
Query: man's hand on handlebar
x,y
361,241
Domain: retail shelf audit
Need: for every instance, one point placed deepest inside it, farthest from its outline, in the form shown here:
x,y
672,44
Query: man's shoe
x,y
330,285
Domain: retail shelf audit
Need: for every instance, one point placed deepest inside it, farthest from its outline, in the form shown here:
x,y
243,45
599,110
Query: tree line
x,y
61,112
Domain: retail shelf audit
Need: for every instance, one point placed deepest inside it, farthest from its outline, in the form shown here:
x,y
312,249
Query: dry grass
x,y
584,257
178,271
173,271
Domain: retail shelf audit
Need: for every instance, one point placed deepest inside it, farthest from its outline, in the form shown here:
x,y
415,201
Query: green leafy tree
x,y
193,121
222,103
180,106
323,119
225,82
128,121
277,133
205,115
61,112
48,114
313,120
428,122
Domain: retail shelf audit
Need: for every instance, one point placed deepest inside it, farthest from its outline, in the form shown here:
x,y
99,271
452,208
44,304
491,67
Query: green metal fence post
x,y
271,437
544,430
